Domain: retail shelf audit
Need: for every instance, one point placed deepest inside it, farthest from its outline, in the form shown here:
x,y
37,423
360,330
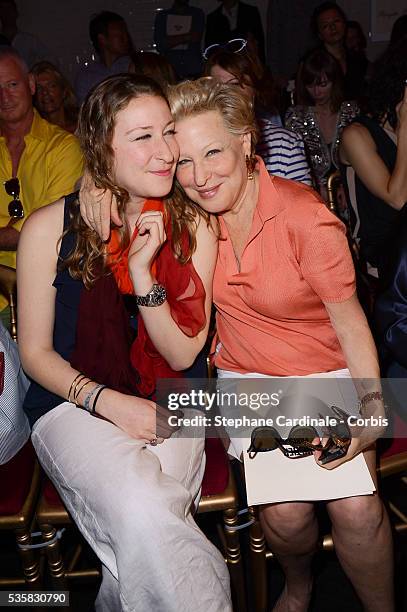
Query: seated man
x,y
39,162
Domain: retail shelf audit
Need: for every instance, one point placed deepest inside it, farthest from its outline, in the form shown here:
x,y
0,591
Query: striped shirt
x,y
283,152
14,427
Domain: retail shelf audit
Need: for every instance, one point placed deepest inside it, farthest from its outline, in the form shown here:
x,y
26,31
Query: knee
x,y
288,520
364,514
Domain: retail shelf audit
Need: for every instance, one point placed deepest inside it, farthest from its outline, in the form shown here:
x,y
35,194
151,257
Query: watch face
x,y
155,297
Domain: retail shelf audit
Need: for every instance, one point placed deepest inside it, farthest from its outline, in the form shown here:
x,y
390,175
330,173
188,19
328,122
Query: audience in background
x,y
321,113
235,19
28,45
153,65
112,43
329,25
54,96
374,153
178,33
39,162
282,152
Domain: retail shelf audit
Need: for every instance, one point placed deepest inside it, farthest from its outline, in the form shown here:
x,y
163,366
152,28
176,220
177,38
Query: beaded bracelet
x,y
101,387
373,395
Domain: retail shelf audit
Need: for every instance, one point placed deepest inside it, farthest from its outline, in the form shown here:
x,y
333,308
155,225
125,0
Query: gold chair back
x,y
8,288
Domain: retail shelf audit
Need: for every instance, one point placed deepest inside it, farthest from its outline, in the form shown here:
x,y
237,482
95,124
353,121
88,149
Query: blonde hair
x,y
207,94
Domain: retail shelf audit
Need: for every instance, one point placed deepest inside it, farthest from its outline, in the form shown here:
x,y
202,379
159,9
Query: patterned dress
x,y
323,157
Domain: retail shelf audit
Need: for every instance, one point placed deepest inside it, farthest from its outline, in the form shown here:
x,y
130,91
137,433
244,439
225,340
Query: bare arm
x,y
178,349
359,150
9,238
352,330
37,262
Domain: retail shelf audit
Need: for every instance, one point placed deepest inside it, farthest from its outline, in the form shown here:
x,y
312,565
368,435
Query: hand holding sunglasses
x,y
300,442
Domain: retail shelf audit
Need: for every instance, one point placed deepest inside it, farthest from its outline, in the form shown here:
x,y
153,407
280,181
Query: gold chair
x,y
333,183
8,288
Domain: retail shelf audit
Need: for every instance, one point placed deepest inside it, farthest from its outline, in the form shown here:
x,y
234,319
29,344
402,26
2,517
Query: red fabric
x,y
15,478
185,297
51,495
216,474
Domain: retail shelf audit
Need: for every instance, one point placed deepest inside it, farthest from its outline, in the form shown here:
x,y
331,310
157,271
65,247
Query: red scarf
x,y
185,296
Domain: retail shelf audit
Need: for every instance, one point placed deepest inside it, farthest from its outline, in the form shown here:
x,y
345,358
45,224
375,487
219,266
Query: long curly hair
x,y
386,87
95,131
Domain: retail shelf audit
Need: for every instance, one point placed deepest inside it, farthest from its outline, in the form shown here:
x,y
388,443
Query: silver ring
x,y
153,442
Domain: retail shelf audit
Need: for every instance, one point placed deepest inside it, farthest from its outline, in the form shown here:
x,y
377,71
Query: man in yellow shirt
x,y
46,160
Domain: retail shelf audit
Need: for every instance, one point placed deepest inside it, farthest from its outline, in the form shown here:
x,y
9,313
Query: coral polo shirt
x,y
271,317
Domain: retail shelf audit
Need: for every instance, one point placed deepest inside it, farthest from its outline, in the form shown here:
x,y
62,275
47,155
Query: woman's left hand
x,y
362,436
150,238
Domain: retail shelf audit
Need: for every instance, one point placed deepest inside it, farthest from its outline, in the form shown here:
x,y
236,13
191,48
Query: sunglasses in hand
x,y
300,440
15,207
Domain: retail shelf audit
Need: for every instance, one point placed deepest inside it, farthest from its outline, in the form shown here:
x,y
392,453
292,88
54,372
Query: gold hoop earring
x,y
250,164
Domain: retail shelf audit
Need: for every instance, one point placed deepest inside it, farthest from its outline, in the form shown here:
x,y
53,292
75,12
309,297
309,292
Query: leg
x,y
363,544
291,531
136,517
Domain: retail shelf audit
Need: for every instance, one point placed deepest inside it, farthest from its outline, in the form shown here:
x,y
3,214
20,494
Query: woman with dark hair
x,y
374,154
130,498
154,65
328,23
321,113
282,152
54,96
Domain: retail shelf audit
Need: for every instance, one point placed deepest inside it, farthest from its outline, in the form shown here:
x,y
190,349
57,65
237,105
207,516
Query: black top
x,y
38,400
373,221
248,24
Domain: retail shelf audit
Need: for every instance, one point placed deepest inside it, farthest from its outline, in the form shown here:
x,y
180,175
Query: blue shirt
x,y
95,72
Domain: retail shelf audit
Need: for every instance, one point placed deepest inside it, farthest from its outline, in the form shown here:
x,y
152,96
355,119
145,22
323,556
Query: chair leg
x,y
234,559
54,557
258,562
29,559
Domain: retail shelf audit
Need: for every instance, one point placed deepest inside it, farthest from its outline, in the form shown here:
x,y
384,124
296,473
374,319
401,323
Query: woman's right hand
x,y
140,418
98,207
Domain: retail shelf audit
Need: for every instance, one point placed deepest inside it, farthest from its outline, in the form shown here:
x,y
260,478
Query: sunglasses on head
x,y
300,440
236,45
15,207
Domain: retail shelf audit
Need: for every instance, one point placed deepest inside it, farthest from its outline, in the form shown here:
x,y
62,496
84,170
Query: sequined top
x,y
322,156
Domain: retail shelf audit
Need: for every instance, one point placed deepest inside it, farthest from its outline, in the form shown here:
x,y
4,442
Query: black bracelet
x,y
93,409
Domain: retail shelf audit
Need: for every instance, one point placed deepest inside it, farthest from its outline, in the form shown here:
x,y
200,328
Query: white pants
x,y
132,504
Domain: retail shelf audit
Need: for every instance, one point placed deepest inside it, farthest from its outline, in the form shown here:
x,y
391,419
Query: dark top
x,y
391,309
373,221
38,400
186,59
355,77
248,23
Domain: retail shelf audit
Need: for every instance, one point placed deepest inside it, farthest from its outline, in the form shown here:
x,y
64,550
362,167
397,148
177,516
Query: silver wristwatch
x,y
155,297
